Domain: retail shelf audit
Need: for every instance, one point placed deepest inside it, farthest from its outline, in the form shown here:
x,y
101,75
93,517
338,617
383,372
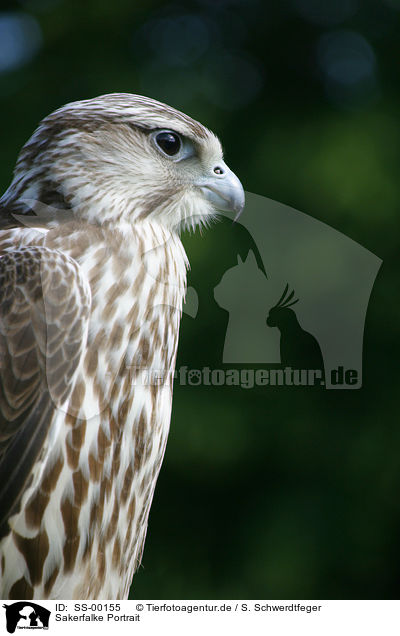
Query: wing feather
x,y
44,312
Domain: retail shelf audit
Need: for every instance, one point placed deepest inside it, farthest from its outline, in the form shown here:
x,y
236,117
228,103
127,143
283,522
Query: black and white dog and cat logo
x,y
26,615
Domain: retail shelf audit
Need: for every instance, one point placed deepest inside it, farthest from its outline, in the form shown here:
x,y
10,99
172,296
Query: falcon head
x,y
123,157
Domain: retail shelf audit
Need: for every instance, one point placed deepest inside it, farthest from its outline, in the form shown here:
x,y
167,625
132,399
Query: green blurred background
x,y
267,493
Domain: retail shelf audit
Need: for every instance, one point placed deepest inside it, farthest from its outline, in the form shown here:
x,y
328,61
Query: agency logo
x,y
288,294
26,615
282,303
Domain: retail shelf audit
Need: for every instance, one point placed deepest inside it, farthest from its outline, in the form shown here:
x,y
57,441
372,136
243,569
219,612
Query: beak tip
x,y
239,206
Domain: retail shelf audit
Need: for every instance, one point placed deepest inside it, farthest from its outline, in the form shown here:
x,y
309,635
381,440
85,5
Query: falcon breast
x,y
93,276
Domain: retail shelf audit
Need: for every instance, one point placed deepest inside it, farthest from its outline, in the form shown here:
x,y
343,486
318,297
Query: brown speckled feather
x,y
44,309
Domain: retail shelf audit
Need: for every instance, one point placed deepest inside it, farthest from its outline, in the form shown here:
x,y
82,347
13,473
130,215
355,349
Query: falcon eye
x,y
172,144
169,142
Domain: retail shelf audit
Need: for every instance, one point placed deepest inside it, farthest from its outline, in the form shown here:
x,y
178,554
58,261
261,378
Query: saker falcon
x,y
92,280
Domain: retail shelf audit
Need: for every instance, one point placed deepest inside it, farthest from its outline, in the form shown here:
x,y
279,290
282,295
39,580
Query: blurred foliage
x,y
278,493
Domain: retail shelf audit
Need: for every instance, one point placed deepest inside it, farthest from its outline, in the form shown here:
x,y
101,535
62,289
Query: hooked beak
x,y
223,189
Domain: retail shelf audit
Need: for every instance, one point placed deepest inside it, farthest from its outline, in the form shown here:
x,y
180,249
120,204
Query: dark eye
x,y
169,142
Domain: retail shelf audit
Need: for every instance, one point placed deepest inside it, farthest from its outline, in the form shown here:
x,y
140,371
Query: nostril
x,y
219,170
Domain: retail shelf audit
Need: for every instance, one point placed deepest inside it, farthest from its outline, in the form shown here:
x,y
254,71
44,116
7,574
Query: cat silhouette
x,y
245,292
